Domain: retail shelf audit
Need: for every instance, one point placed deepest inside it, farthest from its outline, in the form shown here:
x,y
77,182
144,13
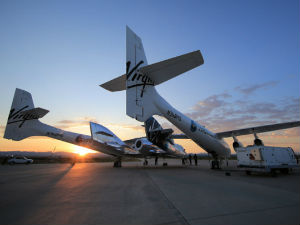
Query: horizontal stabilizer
x,y
170,68
161,71
117,84
23,118
35,113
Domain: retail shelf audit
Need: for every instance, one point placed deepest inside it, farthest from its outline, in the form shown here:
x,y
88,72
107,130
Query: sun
x,y
81,150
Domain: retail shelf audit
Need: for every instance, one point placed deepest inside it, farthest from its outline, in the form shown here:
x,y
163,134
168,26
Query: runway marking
x,y
178,214
244,212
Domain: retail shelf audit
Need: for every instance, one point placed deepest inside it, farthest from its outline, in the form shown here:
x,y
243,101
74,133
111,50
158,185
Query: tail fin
x,y
23,118
135,59
135,54
154,132
140,78
151,125
141,96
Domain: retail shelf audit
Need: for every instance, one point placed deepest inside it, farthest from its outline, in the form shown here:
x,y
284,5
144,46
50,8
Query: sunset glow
x,y
235,88
81,150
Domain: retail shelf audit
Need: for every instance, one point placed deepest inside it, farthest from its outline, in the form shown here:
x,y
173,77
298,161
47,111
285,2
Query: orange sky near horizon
x,y
287,138
62,52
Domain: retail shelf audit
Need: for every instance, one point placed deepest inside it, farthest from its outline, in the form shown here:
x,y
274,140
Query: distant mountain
x,y
50,154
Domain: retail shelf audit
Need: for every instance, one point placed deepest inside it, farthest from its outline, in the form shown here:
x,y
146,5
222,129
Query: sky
x,y
60,51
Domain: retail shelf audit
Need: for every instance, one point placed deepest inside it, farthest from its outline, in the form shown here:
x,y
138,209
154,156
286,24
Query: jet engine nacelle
x,y
144,146
236,143
139,143
258,142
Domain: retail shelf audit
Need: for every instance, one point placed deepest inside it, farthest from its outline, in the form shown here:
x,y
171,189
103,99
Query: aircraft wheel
x,y
217,164
273,173
284,171
212,165
117,164
183,162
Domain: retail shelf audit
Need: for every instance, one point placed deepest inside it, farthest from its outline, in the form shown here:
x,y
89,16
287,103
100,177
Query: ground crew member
x,y
196,159
190,159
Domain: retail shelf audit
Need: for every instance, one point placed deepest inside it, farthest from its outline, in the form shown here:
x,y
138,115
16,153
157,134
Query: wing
x,y
108,140
259,129
250,130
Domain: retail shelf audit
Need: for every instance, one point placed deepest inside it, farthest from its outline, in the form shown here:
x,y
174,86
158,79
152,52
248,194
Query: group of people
x,y
195,157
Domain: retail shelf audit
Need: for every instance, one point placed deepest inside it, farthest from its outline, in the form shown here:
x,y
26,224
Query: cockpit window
x,y
104,133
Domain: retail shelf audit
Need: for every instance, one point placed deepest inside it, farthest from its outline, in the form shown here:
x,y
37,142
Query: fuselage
x,y
174,149
83,140
199,134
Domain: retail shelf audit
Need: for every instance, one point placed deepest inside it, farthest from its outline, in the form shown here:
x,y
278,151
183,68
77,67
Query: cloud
x,y
84,121
81,121
216,112
133,127
2,128
222,112
207,106
252,88
292,132
127,126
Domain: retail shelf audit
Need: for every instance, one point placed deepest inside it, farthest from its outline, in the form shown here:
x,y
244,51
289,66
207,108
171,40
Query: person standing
x,y
190,159
196,160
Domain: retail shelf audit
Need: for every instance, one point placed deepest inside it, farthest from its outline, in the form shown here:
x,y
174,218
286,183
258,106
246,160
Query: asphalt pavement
x,y
97,193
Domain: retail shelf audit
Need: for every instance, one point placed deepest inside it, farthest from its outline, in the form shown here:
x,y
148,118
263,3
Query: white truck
x,y
266,159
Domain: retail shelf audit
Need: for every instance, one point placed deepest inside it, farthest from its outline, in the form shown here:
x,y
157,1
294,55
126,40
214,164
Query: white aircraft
x,y
143,101
23,122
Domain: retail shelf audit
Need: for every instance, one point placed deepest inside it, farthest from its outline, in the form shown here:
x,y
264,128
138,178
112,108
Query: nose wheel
x,y
215,164
117,163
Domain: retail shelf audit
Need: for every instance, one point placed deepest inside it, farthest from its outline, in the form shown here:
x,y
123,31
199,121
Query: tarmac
x,y
97,193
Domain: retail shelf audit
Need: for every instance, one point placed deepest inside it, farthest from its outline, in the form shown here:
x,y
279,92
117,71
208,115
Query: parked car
x,y
19,160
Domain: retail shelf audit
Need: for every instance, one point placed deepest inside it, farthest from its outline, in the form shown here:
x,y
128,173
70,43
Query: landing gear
x,y
145,162
284,170
118,163
273,173
215,164
248,172
156,159
165,163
